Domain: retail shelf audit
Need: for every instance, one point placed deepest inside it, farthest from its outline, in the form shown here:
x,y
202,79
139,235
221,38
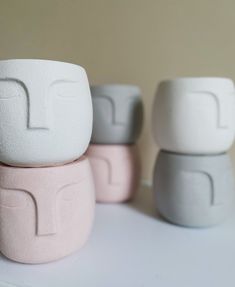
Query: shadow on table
x,y
144,203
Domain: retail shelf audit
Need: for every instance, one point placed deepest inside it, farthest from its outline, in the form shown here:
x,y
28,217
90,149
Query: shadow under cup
x,y
45,213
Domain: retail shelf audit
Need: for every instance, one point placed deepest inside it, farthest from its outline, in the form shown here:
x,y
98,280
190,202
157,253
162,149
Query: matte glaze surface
x,y
45,213
116,170
118,114
194,191
45,112
195,115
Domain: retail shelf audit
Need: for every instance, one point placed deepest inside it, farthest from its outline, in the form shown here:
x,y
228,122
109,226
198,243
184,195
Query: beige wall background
x,y
125,41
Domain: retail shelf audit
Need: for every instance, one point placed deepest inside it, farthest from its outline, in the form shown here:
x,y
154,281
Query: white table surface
x,y
131,246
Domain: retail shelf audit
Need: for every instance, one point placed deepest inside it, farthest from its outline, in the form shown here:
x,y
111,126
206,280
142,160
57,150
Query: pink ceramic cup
x,y
116,170
45,213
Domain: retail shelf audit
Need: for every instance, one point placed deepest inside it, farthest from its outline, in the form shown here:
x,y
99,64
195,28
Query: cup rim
x,y
5,61
202,78
82,159
108,88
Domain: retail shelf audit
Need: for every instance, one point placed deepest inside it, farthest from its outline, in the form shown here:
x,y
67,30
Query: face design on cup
x,y
48,219
105,171
119,110
118,113
112,165
201,196
202,186
45,112
220,104
116,171
112,178
195,115
193,190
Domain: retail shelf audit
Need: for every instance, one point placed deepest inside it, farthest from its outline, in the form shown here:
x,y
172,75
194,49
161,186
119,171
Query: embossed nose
x,y
47,227
36,123
46,217
38,117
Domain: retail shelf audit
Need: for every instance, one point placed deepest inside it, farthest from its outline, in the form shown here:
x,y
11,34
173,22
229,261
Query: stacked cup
x,y
118,119
46,183
194,125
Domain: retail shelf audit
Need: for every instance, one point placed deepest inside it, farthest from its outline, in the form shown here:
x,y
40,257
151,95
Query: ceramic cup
x,y
195,115
118,114
194,191
116,171
45,112
45,213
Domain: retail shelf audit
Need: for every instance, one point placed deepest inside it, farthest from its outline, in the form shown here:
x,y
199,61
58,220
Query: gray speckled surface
x,y
118,114
194,191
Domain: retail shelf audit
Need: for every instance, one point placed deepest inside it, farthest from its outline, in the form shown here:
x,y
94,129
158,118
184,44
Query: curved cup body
x,y
45,213
116,170
118,114
45,112
194,115
193,191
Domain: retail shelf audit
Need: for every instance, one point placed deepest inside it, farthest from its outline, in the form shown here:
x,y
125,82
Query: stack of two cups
x,y
118,119
46,184
194,125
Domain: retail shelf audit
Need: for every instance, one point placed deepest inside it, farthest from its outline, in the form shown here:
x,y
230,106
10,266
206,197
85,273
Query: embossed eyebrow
x,y
21,83
13,83
109,99
69,184
23,191
23,86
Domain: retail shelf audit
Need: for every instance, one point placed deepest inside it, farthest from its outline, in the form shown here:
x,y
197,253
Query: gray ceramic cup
x,y
193,191
118,114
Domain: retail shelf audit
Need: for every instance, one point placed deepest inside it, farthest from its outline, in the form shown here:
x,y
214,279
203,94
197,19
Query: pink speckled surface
x,y
45,213
116,170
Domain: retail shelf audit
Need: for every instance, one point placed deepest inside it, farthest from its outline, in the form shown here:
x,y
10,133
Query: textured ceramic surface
x,y
45,112
118,114
195,115
45,213
116,170
194,191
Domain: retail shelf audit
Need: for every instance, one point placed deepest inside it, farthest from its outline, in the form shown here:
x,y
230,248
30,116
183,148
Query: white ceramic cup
x,y
45,112
194,115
